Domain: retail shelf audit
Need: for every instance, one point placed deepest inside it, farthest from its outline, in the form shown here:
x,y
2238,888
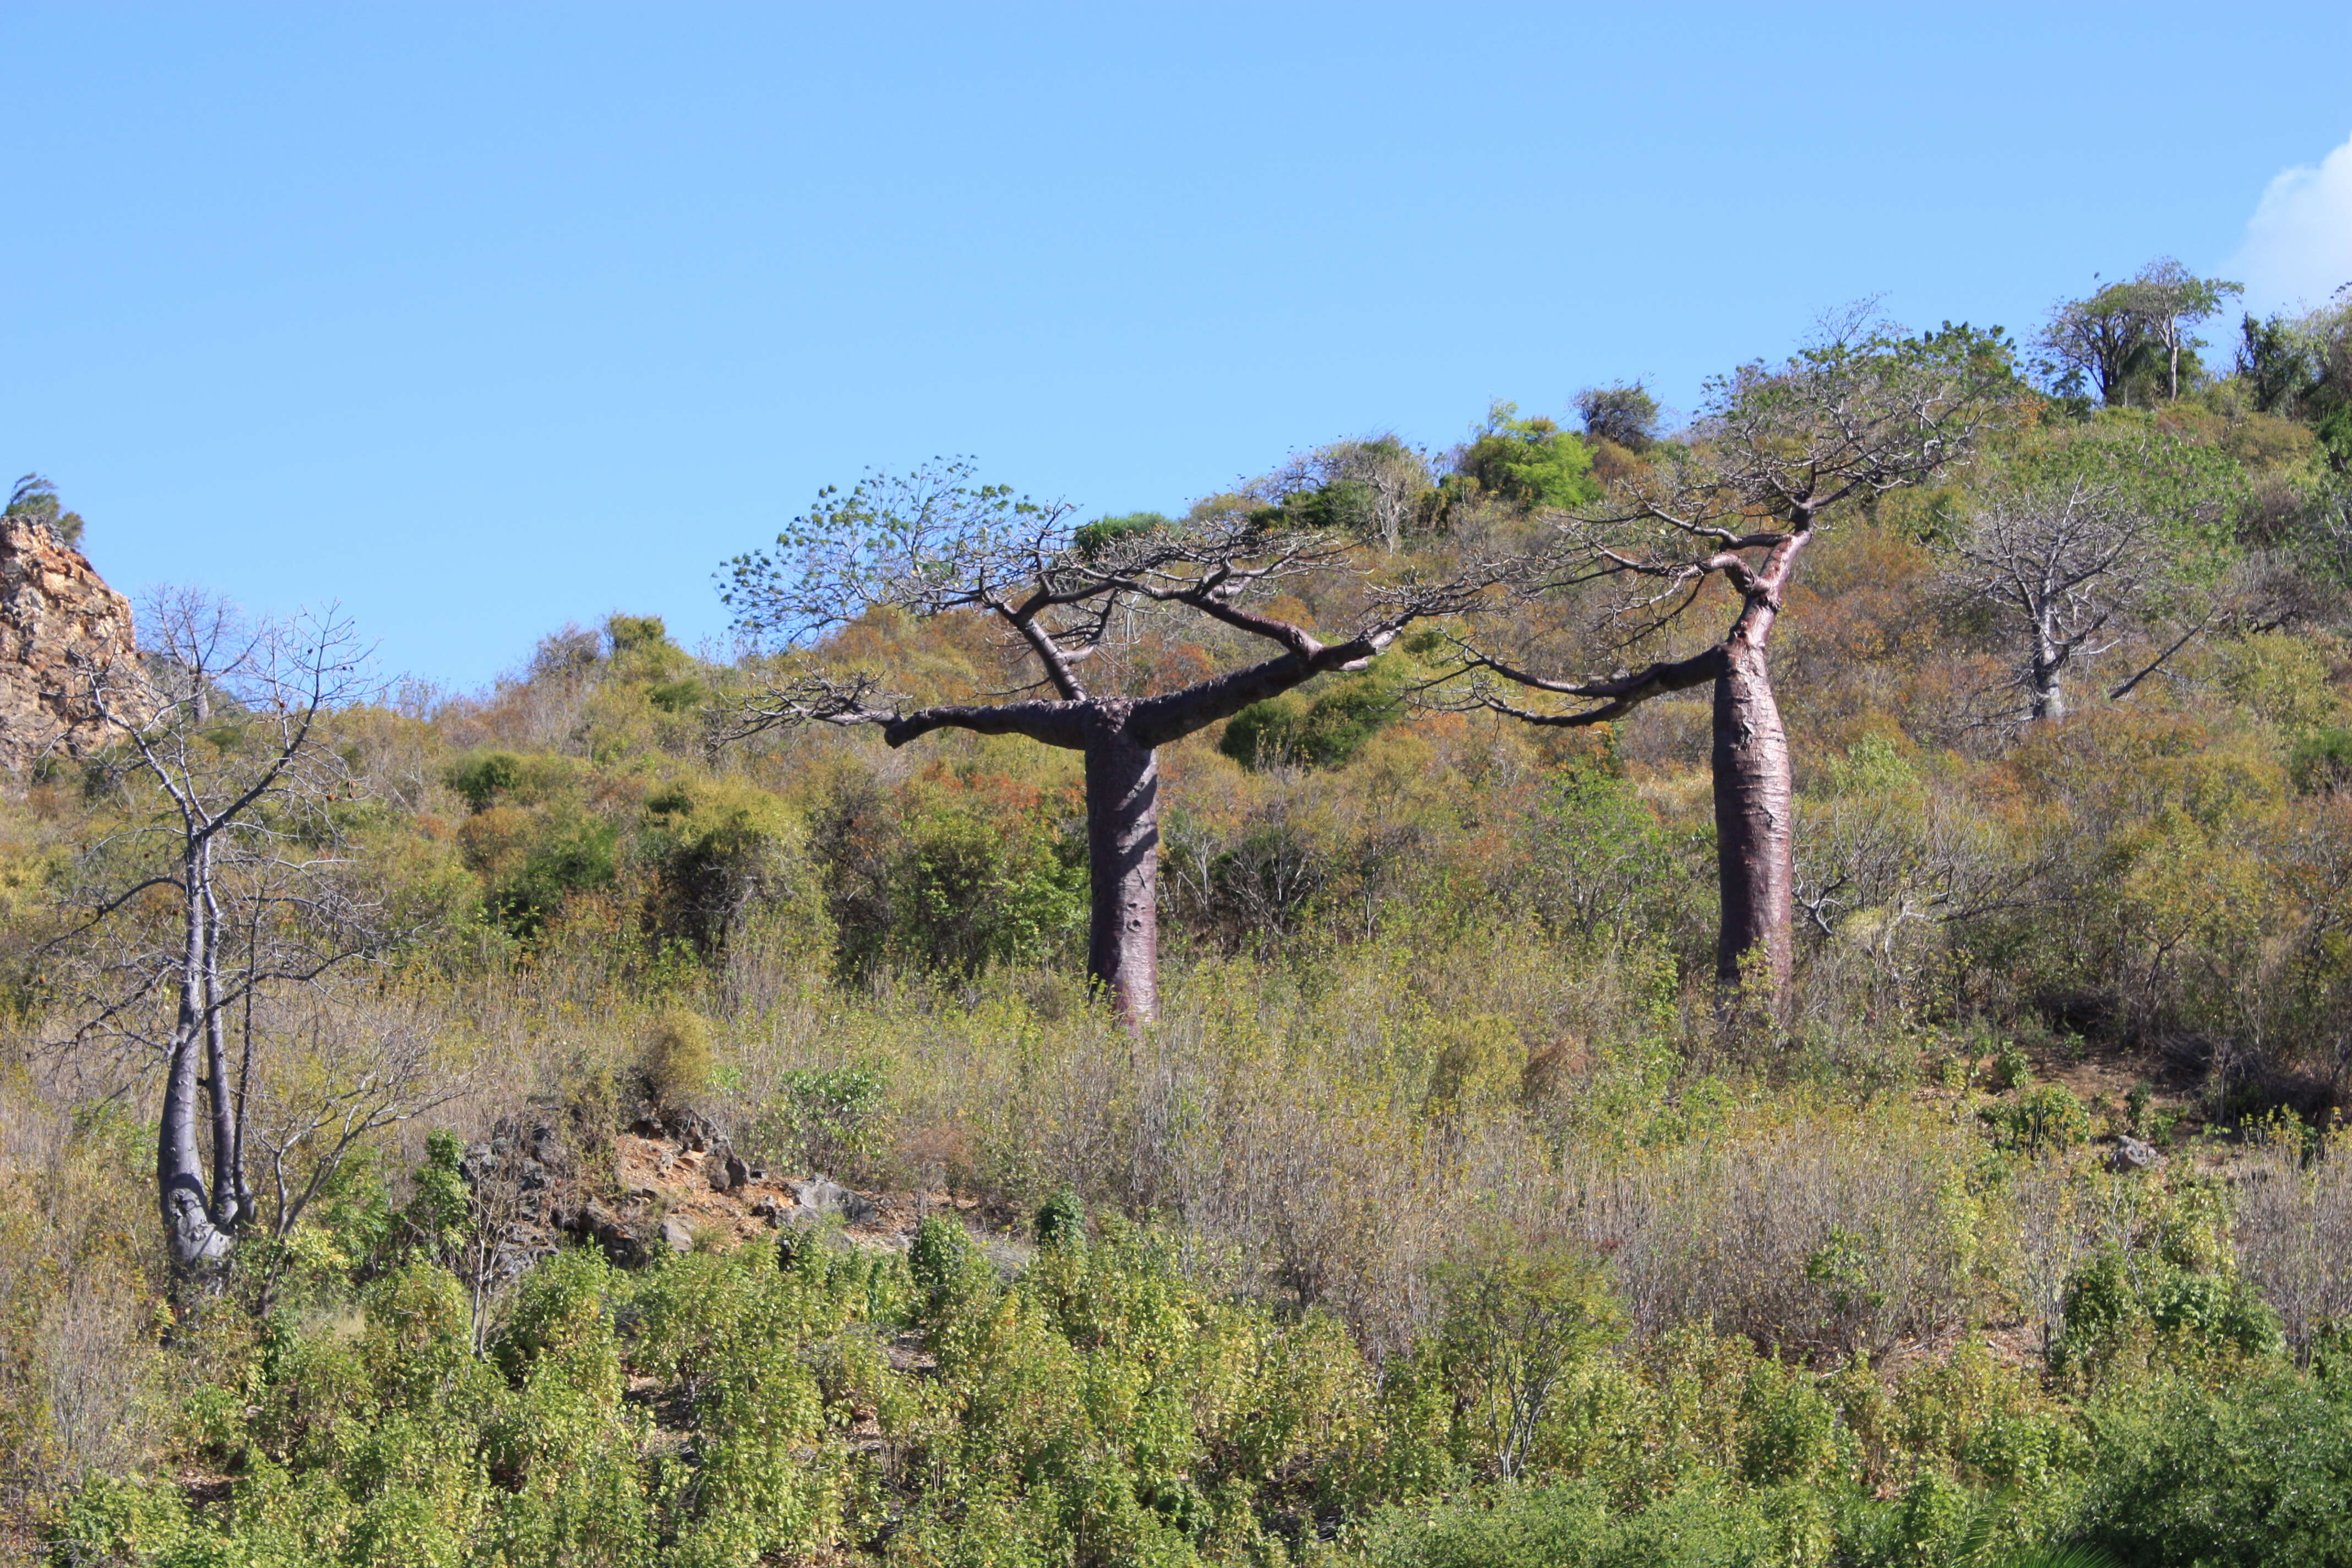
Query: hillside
x,y
676,1124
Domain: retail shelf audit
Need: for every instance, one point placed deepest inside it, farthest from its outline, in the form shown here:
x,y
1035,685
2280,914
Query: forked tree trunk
x,y
189,1232
1754,823
1123,867
218,1090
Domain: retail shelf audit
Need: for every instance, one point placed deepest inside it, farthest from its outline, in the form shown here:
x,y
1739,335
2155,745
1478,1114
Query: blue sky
x,y
482,317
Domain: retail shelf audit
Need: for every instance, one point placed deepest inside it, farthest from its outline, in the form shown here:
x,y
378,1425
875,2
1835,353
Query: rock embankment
x,y
60,624
672,1186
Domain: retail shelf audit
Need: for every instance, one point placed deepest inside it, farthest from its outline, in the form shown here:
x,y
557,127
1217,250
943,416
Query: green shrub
x,y
2321,761
2118,1309
1579,1526
675,1060
2251,1474
2043,1120
826,1119
482,777
1325,728
1516,1324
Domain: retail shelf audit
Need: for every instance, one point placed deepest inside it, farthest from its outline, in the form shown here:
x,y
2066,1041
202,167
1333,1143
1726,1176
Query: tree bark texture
x,y
188,1228
1755,795
2049,700
1123,866
1754,821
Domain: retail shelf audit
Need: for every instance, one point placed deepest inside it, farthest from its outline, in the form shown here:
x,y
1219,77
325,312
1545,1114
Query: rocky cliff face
x,y
59,624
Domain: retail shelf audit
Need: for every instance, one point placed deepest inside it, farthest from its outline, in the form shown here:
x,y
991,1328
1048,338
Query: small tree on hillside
x,y
1780,449
2077,542
2063,563
1623,412
2118,336
1373,486
2172,301
228,878
935,544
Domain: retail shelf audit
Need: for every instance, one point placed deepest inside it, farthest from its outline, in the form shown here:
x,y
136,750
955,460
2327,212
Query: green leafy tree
x,y
35,500
1623,412
1515,1324
1530,462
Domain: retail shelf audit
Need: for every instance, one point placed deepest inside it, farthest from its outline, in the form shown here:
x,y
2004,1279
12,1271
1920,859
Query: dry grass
x,y
2293,1235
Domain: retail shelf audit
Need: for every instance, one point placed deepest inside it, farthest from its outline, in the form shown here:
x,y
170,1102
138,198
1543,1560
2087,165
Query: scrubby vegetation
x,y
1451,1211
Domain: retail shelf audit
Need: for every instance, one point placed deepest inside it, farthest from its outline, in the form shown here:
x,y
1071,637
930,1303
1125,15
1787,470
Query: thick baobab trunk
x,y
1123,866
1754,821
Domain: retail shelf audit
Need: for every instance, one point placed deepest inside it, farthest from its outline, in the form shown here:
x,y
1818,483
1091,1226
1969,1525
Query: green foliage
x,y
482,778
676,1060
35,499
1325,726
573,852
1602,861
2041,1119
2247,1474
1062,1220
953,886
1529,462
826,1119
1092,539
434,1219
1515,1325
1580,1526
2127,1309
718,849
1623,413
2322,761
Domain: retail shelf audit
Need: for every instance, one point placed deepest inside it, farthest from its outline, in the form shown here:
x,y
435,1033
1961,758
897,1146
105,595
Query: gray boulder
x,y
822,1195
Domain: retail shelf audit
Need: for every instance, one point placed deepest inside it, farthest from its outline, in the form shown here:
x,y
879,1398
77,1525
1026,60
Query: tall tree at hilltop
x,y
1779,450
2117,339
935,542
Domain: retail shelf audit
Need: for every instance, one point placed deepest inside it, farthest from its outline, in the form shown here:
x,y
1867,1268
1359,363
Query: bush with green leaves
x,y
2132,1308
1326,726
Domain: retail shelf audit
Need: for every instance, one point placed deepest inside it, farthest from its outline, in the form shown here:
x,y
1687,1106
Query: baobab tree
x,y
228,878
934,542
1780,449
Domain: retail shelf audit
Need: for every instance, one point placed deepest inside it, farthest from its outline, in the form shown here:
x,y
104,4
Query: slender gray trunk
x,y
1123,865
220,1095
188,1228
2049,700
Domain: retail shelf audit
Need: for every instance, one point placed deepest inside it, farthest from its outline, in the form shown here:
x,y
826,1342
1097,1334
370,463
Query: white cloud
x,y
2298,245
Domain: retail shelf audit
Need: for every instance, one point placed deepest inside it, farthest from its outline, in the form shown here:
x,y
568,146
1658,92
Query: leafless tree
x,y
935,544
2063,564
228,880
1865,411
1376,483
317,1081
